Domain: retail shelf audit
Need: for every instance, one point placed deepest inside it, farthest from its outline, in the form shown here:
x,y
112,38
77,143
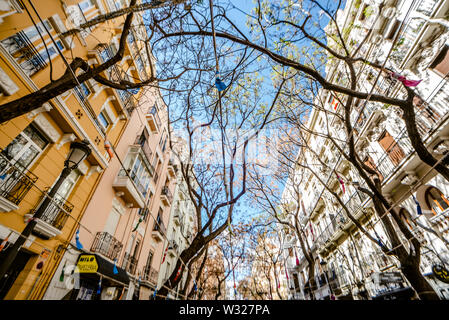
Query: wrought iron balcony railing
x,y
160,227
107,245
129,263
15,181
150,274
24,52
166,191
56,213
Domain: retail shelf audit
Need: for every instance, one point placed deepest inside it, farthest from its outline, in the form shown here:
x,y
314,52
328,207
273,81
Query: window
x,y
26,147
104,120
83,91
391,147
436,200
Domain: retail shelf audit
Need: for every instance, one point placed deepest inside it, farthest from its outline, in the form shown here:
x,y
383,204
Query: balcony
x,y
128,190
53,219
150,275
166,196
107,245
171,168
153,120
158,231
172,248
20,47
129,263
15,182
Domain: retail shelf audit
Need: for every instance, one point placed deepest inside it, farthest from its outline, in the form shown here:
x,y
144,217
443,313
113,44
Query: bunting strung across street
x,y
178,273
407,83
154,293
99,285
137,225
114,269
5,242
218,83
61,277
195,288
77,237
297,260
108,148
341,182
418,207
165,254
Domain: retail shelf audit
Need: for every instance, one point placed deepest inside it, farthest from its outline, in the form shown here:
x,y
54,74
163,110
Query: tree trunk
x,y
410,268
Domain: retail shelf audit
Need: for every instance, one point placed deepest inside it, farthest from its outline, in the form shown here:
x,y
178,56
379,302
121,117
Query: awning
x,y
398,294
93,265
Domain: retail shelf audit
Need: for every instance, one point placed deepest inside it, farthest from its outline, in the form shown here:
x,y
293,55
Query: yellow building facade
x,y
35,145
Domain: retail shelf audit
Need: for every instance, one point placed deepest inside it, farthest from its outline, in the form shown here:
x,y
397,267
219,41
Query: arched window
x,y
436,200
406,217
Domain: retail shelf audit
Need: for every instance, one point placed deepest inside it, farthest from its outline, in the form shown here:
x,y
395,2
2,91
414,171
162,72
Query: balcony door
x,y
112,222
394,151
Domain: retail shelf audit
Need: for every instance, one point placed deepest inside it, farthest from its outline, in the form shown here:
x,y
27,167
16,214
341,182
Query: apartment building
x,y
117,201
181,230
347,265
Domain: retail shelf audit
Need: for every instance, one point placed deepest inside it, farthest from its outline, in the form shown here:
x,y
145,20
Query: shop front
x,y
99,279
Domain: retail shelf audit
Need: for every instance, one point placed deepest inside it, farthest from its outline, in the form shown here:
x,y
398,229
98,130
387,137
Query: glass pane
x,y
67,185
15,146
36,137
104,122
28,156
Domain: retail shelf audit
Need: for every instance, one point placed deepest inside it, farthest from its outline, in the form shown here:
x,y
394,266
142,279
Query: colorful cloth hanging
x,y
61,277
99,286
137,225
77,238
407,83
108,148
218,83
341,182
114,269
178,273
418,207
297,260
165,254
4,242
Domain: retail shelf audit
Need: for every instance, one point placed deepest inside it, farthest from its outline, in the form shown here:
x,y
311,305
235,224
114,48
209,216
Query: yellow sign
x,y
87,264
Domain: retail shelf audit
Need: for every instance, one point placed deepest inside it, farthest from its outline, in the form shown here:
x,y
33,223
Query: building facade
x,y
348,265
118,201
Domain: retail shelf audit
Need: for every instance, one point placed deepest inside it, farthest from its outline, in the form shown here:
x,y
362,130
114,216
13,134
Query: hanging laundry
x,y
407,83
219,84
77,238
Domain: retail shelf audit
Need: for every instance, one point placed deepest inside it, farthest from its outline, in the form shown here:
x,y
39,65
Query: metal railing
x,y
150,274
57,211
15,181
129,263
166,192
107,245
24,52
159,227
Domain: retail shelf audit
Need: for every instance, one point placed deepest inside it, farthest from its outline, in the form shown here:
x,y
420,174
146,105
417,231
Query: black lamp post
x,y
78,152
323,263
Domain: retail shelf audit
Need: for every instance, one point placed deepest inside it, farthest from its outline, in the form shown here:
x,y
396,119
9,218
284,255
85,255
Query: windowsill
x,y
7,206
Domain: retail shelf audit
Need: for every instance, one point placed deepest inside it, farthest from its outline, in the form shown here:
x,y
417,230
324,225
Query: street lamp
x,y
78,152
323,263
